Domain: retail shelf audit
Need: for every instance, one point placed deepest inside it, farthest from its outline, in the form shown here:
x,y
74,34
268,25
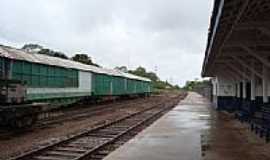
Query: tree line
x,y
157,82
78,57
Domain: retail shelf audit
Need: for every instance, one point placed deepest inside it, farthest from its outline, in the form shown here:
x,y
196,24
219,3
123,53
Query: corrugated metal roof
x,y
19,54
132,76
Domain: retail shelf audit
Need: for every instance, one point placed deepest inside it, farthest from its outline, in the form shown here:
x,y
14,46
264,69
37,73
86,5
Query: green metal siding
x,y
59,80
41,76
112,85
45,76
145,87
33,97
131,86
138,87
142,87
118,85
135,86
101,84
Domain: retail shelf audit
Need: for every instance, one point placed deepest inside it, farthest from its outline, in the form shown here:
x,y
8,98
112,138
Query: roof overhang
x,y
239,30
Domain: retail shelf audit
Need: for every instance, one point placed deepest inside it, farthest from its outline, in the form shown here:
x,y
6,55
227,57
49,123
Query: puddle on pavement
x,y
204,117
205,142
183,132
196,122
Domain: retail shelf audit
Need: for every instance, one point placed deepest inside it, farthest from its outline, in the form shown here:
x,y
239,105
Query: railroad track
x,y
94,143
77,115
86,113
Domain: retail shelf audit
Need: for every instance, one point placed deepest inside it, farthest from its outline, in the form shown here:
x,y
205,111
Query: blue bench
x,y
245,113
260,122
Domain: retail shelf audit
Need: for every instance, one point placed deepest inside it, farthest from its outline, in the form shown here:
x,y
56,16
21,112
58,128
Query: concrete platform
x,y
178,135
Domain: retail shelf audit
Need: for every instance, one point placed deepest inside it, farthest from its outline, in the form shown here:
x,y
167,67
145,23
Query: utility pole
x,y
155,69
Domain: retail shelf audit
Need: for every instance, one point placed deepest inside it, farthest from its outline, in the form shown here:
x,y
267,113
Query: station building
x,y
238,53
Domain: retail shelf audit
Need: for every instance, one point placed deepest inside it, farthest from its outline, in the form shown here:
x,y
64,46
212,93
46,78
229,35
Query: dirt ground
x,y
228,139
21,143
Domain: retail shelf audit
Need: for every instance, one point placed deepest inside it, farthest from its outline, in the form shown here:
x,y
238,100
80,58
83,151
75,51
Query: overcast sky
x,y
169,34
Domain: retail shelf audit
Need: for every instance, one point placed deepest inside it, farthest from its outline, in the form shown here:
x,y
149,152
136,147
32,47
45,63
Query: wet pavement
x,y
181,134
193,130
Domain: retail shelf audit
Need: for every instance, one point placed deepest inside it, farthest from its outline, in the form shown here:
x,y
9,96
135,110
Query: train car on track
x,y
31,83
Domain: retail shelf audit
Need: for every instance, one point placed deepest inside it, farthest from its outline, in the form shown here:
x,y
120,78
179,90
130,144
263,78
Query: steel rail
x,y
34,153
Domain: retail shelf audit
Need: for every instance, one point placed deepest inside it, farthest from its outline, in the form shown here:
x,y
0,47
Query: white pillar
x,y
244,89
217,87
238,89
253,83
265,84
253,87
214,88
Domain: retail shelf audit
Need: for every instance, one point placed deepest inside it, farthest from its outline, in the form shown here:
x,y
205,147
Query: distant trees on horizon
x,y
78,57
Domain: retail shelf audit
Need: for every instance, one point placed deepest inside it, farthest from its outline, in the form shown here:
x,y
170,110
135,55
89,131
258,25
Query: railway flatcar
x,y
30,83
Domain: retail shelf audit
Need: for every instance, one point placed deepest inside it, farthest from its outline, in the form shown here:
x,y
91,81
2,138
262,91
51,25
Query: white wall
x,y
225,87
85,81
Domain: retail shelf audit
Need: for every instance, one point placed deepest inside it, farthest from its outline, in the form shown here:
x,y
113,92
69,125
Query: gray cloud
x,y
169,34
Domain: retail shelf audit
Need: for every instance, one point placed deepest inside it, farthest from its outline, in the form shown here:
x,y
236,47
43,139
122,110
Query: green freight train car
x,y
27,78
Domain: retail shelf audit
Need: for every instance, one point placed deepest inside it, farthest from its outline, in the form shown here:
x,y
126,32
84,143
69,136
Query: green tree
x,y
152,76
52,53
84,58
36,48
31,46
122,68
140,71
196,84
157,83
